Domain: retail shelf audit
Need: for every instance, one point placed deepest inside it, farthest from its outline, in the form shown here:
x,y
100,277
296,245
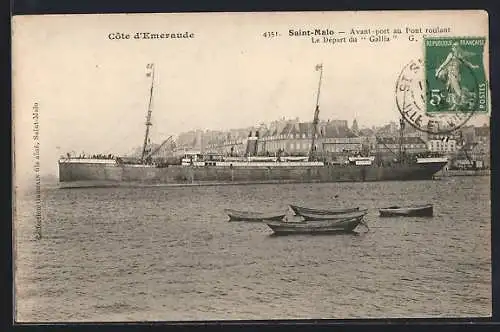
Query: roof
x,y
305,129
287,129
338,132
301,128
366,132
385,128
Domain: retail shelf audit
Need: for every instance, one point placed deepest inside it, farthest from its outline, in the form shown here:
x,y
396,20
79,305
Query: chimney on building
x,y
354,127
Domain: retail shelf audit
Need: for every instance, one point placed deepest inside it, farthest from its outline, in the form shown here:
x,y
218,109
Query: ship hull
x,y
72,175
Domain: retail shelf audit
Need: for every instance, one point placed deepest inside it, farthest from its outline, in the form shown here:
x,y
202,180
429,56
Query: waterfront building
x,y
388,147
294,138
474,150
445,145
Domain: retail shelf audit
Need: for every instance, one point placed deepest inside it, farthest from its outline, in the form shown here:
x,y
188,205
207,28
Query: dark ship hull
x,y
97,174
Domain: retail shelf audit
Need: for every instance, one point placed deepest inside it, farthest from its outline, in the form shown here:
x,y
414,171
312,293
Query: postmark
x,y
411,99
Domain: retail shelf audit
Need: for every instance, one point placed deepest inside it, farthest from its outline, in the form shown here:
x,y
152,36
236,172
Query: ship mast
x,y
401,132
151,73
316,113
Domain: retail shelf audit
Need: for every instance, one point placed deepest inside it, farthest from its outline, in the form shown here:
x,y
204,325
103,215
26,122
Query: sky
x,y
93,93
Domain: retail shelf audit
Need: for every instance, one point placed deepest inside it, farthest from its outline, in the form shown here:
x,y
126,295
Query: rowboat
x,y
317,227
350,215
235,215
407,211
299,210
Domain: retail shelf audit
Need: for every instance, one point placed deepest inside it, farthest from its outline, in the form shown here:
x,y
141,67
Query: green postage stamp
x,y
455,75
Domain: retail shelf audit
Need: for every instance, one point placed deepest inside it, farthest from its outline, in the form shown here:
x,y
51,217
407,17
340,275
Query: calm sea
x,y
120,254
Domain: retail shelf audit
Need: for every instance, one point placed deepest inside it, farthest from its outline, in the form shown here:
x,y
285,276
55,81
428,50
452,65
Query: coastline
x,y
457,172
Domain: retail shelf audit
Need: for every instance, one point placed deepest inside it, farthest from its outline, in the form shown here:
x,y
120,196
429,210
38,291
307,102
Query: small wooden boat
x,y
316,227
299,210
407,211
317,217
235,215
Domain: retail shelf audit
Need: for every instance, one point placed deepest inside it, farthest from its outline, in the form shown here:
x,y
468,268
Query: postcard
x,y
251,166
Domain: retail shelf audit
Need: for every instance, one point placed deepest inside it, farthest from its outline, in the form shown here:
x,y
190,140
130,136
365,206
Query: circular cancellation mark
x,y
435,111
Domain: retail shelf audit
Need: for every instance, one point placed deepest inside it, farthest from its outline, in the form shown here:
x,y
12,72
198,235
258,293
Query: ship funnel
x,y
252,143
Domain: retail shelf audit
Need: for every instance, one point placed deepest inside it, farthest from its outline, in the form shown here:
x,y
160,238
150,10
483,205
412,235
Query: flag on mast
x,y
319,66
149,67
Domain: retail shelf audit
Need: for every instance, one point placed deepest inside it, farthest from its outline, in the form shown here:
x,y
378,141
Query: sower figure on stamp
x,y
449,72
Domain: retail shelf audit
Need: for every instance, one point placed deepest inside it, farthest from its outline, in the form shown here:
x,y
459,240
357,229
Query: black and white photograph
x,y
251,166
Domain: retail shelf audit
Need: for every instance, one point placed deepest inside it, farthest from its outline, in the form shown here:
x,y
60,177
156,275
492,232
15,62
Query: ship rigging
x,y
150,73
316,115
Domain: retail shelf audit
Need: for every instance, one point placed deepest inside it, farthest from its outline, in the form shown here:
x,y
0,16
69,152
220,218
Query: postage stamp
x,y
442,92
411,101
455,75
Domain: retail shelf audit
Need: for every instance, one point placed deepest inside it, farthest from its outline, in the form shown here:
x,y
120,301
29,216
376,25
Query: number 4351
x,y
270,34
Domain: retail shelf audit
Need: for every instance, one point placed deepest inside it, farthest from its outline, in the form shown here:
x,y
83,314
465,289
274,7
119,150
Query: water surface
x,y
118,254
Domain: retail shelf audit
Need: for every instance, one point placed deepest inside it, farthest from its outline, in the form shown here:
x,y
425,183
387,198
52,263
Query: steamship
x,y
209,169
